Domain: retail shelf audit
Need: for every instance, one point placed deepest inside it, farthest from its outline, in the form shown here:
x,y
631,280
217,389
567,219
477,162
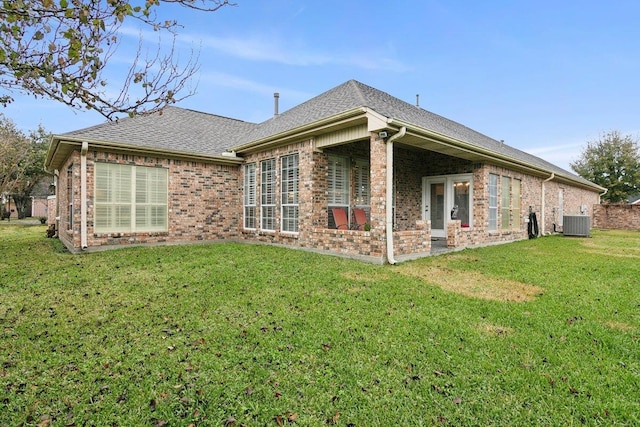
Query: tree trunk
x,y
21,203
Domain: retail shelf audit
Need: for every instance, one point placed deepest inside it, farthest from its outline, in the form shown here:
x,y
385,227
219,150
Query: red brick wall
x,y
203,201
621,217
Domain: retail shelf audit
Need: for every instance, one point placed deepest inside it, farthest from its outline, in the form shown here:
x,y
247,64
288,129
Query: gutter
x,y
490,155
83,195
553,175
606,190
389,195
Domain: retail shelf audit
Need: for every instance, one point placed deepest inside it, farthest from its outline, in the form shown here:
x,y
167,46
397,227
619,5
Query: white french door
x,y
446,198
434,202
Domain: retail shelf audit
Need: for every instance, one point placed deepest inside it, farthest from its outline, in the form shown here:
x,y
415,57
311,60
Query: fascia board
x,y
135,149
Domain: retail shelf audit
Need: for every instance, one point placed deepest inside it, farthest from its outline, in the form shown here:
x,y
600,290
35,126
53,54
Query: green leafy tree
x,y
613,162
59,49
31,170
14,148
21,163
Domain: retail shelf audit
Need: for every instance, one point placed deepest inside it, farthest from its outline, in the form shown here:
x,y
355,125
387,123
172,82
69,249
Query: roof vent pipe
x,y
276,96
418,100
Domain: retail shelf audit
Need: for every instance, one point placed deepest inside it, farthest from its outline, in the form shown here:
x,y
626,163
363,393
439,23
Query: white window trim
x,y
274,193
131,203
284,180
492,208
250,195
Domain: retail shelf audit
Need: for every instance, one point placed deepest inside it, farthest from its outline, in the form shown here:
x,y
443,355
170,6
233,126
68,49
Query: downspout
x,y
553,175
56,218
606,190
83,195
389,194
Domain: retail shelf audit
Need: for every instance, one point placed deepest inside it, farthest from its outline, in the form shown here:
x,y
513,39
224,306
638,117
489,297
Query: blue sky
x,y
544,76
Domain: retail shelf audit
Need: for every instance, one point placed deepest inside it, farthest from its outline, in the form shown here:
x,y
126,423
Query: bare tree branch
x,y
59,49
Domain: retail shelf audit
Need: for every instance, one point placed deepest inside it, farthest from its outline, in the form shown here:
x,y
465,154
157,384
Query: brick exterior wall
x,y
620,217
202,204
206,201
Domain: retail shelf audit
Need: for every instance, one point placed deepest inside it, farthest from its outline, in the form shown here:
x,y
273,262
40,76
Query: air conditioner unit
x,y
576,225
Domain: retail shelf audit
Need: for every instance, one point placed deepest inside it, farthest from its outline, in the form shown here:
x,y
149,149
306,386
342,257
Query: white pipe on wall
x,y
389,195
83,195
542,216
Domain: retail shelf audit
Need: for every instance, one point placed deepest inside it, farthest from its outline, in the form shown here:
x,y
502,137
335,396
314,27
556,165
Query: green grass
x,y
258,335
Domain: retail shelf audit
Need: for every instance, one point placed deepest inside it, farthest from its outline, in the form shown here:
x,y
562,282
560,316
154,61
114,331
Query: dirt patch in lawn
x,y
472,283
593,248
494,330
620,326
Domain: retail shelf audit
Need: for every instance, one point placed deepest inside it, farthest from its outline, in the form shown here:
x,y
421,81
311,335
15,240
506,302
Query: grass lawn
x,y
540,332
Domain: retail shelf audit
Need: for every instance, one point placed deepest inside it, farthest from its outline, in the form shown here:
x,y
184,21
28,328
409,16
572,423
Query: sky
x,y
544,76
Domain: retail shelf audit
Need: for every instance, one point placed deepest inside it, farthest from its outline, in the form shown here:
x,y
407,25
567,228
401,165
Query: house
x,y
423,181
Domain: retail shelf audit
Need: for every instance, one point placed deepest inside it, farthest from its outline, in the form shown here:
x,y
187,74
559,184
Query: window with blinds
x,y
290,182
362,191
130,198
250,196
505,205
493,202
268,194
337,186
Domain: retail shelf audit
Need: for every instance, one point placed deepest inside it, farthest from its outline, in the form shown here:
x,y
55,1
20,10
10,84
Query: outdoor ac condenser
x,y
576,225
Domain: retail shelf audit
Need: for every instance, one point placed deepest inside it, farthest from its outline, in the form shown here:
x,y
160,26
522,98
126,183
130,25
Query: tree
x,y
59,49
613,162
31,170
13,150
21,162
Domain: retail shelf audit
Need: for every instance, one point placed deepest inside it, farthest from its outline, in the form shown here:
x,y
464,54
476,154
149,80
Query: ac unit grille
x,y
576,225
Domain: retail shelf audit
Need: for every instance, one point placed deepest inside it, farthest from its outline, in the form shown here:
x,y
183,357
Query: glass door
x,y
435,205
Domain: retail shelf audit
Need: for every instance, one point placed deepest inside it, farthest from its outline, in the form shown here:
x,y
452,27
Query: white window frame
x,y
515,203
130,198
249,210
505,202
268,183
362,191
289,190
338,185
493,202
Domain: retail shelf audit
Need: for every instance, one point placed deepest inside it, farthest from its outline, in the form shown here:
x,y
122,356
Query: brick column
x,y
378,168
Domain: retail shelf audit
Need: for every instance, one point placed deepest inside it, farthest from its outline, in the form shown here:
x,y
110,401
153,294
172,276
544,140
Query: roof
x,y
177,130
172,129
352,95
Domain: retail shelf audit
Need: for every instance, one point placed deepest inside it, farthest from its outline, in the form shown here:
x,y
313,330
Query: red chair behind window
x,y
340,218
361,218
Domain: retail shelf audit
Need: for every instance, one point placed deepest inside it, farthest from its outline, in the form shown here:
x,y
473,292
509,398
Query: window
x,y
493,202
130,198
289,192
250,196
337,185
362,190
268,194
462,202
70,197
505,205
515,204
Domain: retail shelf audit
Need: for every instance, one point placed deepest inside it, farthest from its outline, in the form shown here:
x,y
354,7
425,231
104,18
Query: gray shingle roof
x,y
188,131
353,94
175,129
